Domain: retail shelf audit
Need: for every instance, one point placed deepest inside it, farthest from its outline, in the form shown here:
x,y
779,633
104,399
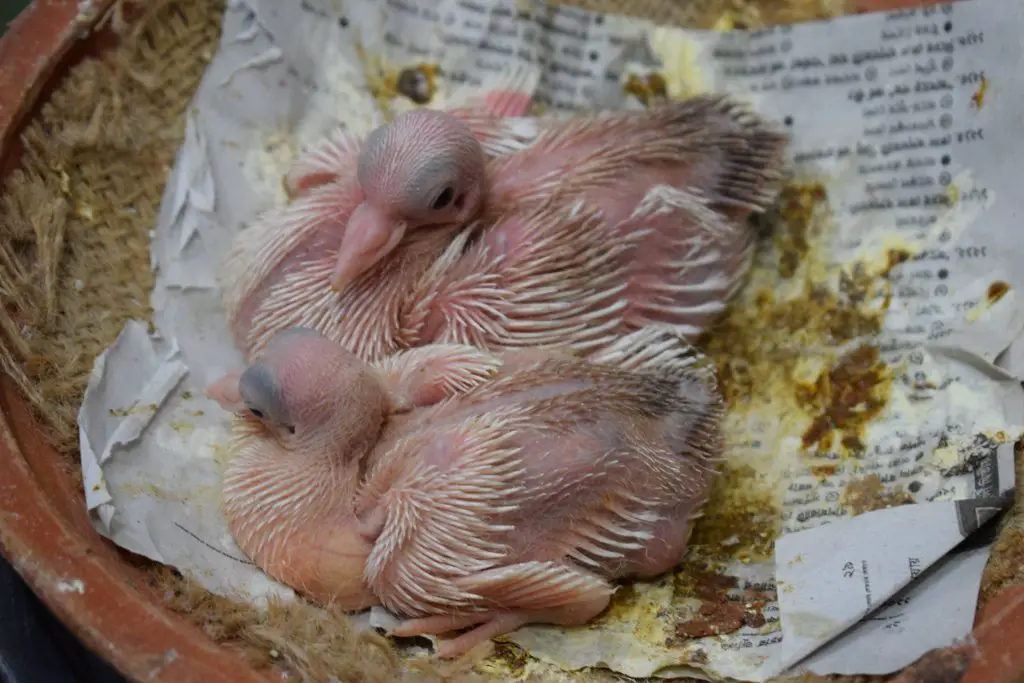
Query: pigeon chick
x,y
591,226
307,415
463,489
665,171
282,245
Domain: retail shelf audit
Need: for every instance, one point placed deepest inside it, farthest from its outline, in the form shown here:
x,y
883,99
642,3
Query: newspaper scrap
x,y
872,365
127,445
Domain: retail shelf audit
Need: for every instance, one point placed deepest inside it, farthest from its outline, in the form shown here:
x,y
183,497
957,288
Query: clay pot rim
x,y
63,559
127,625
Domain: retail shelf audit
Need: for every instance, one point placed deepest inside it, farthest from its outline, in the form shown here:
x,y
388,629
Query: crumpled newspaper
x,y
873,361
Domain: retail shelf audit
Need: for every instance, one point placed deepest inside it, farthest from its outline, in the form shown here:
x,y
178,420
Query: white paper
x,y
287,72
127,450
839,576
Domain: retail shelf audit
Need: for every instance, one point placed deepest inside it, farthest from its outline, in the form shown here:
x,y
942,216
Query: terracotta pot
x,y
44,529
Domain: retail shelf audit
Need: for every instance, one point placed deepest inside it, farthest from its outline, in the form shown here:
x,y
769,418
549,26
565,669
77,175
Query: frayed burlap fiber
x,y
75,218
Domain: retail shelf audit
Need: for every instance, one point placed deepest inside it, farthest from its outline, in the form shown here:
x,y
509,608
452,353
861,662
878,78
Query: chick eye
x,y
290,428
443,199
258,414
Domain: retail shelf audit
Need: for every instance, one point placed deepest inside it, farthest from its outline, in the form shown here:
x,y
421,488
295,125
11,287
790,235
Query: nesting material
x,y
312,642
76,215
71,274
841,411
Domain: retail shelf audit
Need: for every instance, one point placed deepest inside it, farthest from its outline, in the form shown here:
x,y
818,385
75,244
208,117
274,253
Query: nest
x,y
74,267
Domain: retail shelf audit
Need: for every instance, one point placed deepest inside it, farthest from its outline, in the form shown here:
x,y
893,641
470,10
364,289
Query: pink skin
x,y
578,230
225,392
424,169
408,191
431,180
326,195
462,489
479,109
452,157
288,432
507,102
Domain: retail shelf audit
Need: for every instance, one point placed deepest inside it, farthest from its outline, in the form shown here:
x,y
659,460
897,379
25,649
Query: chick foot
x,y
490,625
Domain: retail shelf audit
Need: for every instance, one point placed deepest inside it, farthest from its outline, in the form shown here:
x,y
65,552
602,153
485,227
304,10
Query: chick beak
x,y
369,237
225,392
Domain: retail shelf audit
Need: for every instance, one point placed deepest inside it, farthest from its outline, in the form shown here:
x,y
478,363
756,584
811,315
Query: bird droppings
x,y
714,620
418,83
764,336
996,291
221,454
388,83
133,409
869,493
803,357
721,609
728,22
682,68
846,397
621,606
629,606
965,457
796,206
823,398
895,257
753,616
740,509
512,658
181,426
649,89
978,98
265,164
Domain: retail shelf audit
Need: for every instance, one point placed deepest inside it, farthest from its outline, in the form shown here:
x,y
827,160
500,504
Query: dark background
x,y
34,646
9,9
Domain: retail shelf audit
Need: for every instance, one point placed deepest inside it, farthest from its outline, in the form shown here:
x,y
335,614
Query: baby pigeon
x,y
589,227
283,248
459,488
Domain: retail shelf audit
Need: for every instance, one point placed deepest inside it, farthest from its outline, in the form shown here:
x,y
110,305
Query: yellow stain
x,y
683,77
978,98
388,82
953,194
181,426
724,23
648,89
993,295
